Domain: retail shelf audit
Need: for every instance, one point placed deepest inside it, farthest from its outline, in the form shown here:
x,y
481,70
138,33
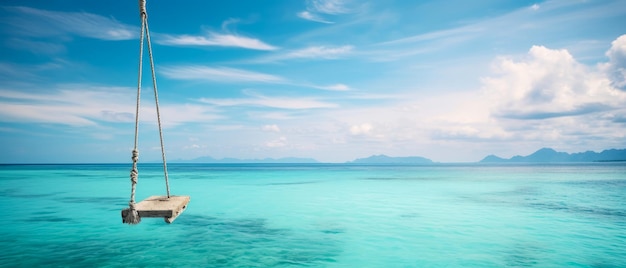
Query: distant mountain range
x,y
544,155
383,159
548,155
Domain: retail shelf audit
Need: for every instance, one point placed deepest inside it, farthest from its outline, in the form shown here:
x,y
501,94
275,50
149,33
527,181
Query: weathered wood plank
x,y
162,207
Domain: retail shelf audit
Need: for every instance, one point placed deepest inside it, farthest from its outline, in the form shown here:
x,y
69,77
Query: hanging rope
x,y
131,214
156,100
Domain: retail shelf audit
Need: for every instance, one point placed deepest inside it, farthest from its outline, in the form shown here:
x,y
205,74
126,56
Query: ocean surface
x,y
318,215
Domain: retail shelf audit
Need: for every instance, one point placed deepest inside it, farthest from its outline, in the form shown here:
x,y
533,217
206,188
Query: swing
x,y
168,207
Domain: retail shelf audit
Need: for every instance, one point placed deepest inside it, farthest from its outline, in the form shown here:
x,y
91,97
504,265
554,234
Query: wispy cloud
x,y
212,38
233,75
315,9
43,23
448,33
329,6
218,74
215,39
312,17
88,105
318,52
37,47
335,87
310,53
258,100
76,107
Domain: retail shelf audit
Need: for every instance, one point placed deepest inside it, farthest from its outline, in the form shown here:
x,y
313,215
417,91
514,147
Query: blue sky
x,y
333,80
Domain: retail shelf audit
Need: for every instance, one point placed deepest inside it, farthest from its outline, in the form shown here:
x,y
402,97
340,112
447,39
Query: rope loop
x,y
142,8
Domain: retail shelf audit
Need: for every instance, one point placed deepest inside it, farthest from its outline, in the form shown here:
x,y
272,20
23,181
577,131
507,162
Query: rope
x,y
130,215
156,100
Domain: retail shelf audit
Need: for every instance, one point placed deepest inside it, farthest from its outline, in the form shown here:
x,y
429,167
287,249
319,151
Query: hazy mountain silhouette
x,y
549,155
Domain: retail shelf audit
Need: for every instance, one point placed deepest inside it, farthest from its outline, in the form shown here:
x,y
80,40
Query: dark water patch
x,y
292,183
251,242
48,218
71,174
333,231
594,211
522,191
533,197
611,184
522,255
409,215
45,212
113,201
381,179
248,225
400,179
15,193
84,252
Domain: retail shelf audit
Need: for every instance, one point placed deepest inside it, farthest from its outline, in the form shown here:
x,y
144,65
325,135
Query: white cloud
x,y
362,129
219,74
535,7
215,39
280,142
44,23
548,83
616,67
271,128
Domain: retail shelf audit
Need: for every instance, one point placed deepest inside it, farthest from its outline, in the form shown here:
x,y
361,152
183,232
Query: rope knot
x,y
142,8
135,156
130,215
133,176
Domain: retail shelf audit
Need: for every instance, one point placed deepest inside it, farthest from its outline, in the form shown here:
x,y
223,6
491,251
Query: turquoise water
x,y
319,215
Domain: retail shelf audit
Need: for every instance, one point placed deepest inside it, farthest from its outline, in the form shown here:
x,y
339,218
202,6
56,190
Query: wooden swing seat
x,y
161,207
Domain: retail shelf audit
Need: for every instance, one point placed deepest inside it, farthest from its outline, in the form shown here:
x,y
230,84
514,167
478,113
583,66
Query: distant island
x,y
548,155
383,159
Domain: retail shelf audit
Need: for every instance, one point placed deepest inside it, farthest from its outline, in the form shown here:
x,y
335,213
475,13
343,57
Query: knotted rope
x,y
130,215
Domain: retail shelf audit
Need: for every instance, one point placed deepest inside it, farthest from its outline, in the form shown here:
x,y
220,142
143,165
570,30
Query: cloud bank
x,y
549,83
